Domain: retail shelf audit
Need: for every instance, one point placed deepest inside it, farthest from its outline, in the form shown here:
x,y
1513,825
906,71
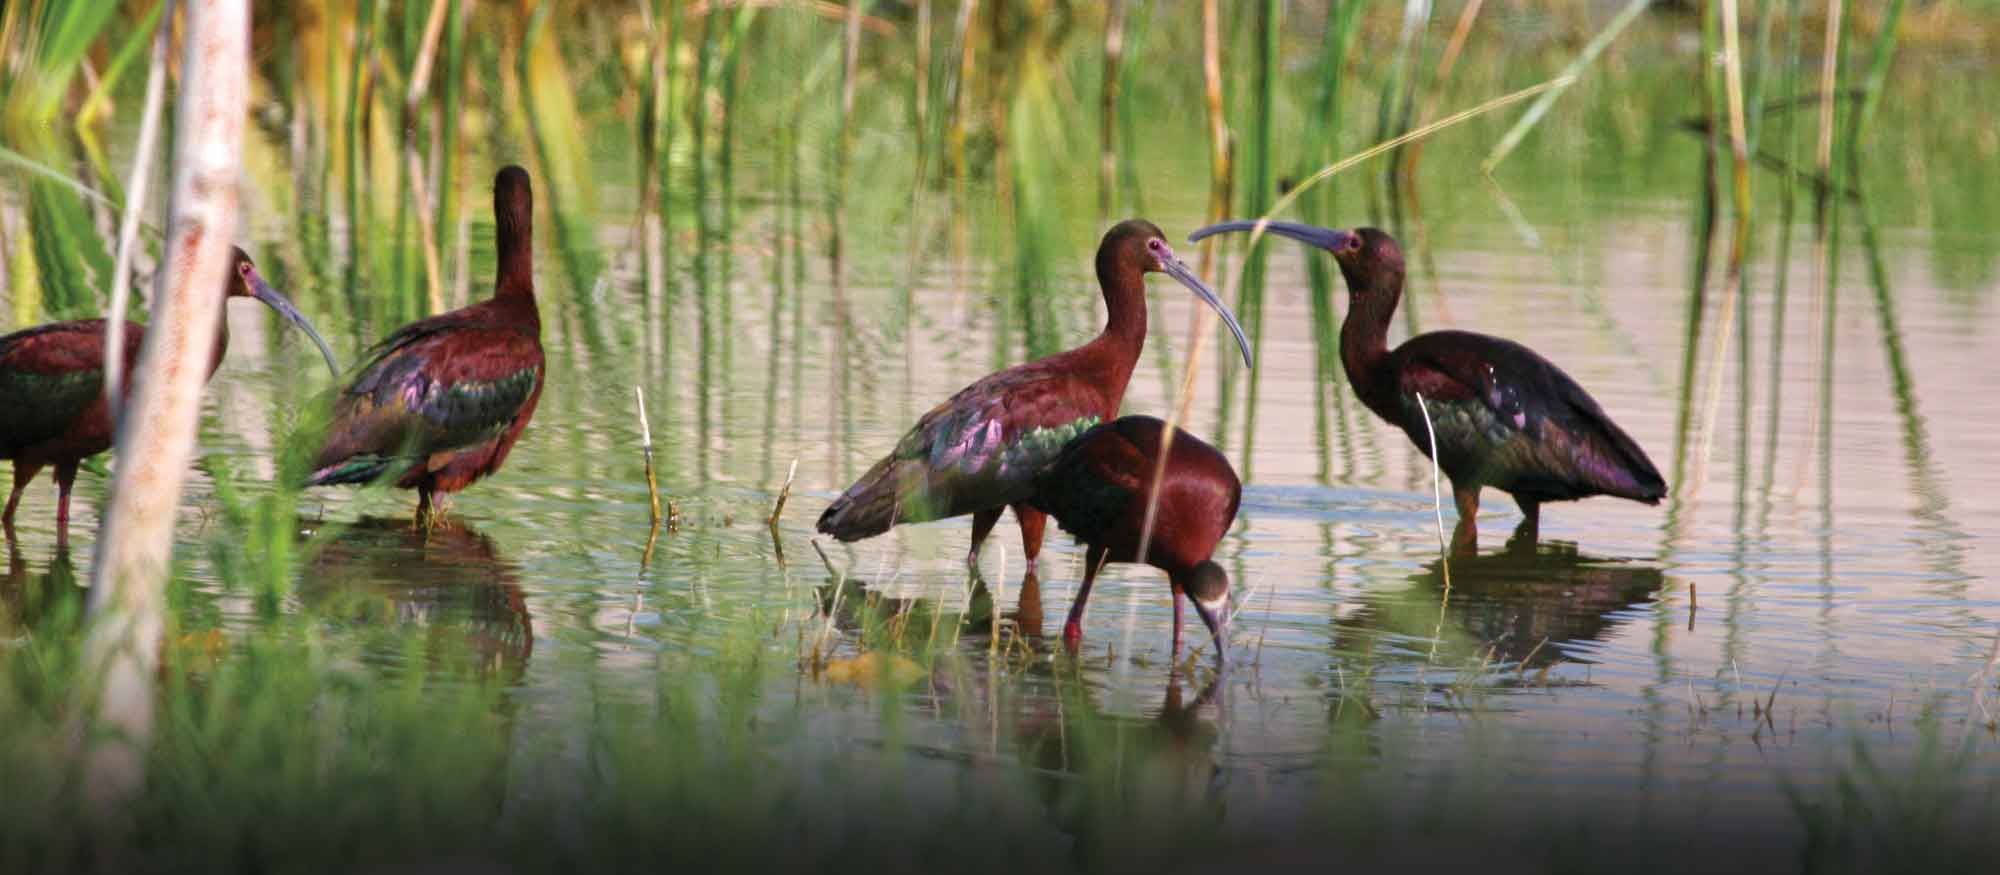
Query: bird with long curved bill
x,y
52,387
1098,489
441,402
979,451
1502,415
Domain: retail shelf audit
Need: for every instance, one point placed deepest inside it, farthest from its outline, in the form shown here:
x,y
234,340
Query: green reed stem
x,y
1787,205
364,29
448,125
1263,180
1343,21
1570,73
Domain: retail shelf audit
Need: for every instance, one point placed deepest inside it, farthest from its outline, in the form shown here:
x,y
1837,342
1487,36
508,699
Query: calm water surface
x,y
1840,571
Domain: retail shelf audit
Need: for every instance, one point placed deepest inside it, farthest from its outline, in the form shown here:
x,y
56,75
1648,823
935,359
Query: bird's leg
x,y
1032,522
1176,652
1465,537
423,520
1530,528
65,479
24,473
982,524
1093,559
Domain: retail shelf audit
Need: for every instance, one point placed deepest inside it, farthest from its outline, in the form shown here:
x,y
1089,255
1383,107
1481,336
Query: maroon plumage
x,y
441,402
52,388
1098,488
978,452
1503,415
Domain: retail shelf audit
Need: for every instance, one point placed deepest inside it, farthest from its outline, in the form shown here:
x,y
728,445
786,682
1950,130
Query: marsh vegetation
x,y
1761,231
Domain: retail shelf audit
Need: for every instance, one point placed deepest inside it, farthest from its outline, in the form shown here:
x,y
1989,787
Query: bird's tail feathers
x,y
893,491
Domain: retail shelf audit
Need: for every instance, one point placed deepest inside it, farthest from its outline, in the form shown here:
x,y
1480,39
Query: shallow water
x,y
1625,665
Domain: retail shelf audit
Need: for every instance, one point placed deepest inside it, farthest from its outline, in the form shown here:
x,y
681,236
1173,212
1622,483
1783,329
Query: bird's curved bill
x,y
1311,235
1215,615
262,291
1180,271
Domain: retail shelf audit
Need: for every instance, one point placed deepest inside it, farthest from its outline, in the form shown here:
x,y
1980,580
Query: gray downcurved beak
x,y
262,291
1216,617
1311,235
1179,270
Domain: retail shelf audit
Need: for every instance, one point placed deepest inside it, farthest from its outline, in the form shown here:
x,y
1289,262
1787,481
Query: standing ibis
x,y
439,403
978,452
1504,416
1097,490
52,388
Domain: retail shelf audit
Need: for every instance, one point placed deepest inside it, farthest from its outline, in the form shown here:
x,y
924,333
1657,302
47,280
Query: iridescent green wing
x,y
49,375
984,447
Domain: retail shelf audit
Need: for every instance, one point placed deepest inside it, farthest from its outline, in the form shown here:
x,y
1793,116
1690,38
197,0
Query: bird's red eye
x,y
243,270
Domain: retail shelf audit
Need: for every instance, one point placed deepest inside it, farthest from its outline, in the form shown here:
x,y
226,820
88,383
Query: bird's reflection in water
x,y
31,599
1098,771
958,611
1529,606
1127,787
448,581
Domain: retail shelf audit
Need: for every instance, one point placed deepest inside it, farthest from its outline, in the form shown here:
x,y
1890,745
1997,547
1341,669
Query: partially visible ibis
x,y
1098,489
53,409
1504,416
978,452
439,403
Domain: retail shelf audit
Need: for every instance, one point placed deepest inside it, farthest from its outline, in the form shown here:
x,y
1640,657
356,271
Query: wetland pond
x,y
1793,647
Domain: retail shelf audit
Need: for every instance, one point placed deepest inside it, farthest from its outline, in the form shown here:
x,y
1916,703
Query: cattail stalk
x,y
127,603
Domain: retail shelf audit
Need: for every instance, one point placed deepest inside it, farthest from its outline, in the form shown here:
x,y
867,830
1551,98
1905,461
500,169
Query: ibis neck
x,y
517,274
1117,349
1125,301
1364,347
221,338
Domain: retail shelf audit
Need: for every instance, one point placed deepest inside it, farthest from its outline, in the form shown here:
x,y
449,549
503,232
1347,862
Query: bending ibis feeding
x,y
1504,416
52,387
978,452
439,403
1097,490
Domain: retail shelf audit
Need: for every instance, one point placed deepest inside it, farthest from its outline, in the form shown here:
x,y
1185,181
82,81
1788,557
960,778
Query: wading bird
x,y
978,452
52,387
1504,416
439,403
1097,490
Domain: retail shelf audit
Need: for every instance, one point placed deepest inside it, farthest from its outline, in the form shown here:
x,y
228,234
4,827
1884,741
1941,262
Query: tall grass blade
x,y
1263,180
1343,21
98,103
1107,110
1739,148
1826,247
137,186
1571,73
1781,282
